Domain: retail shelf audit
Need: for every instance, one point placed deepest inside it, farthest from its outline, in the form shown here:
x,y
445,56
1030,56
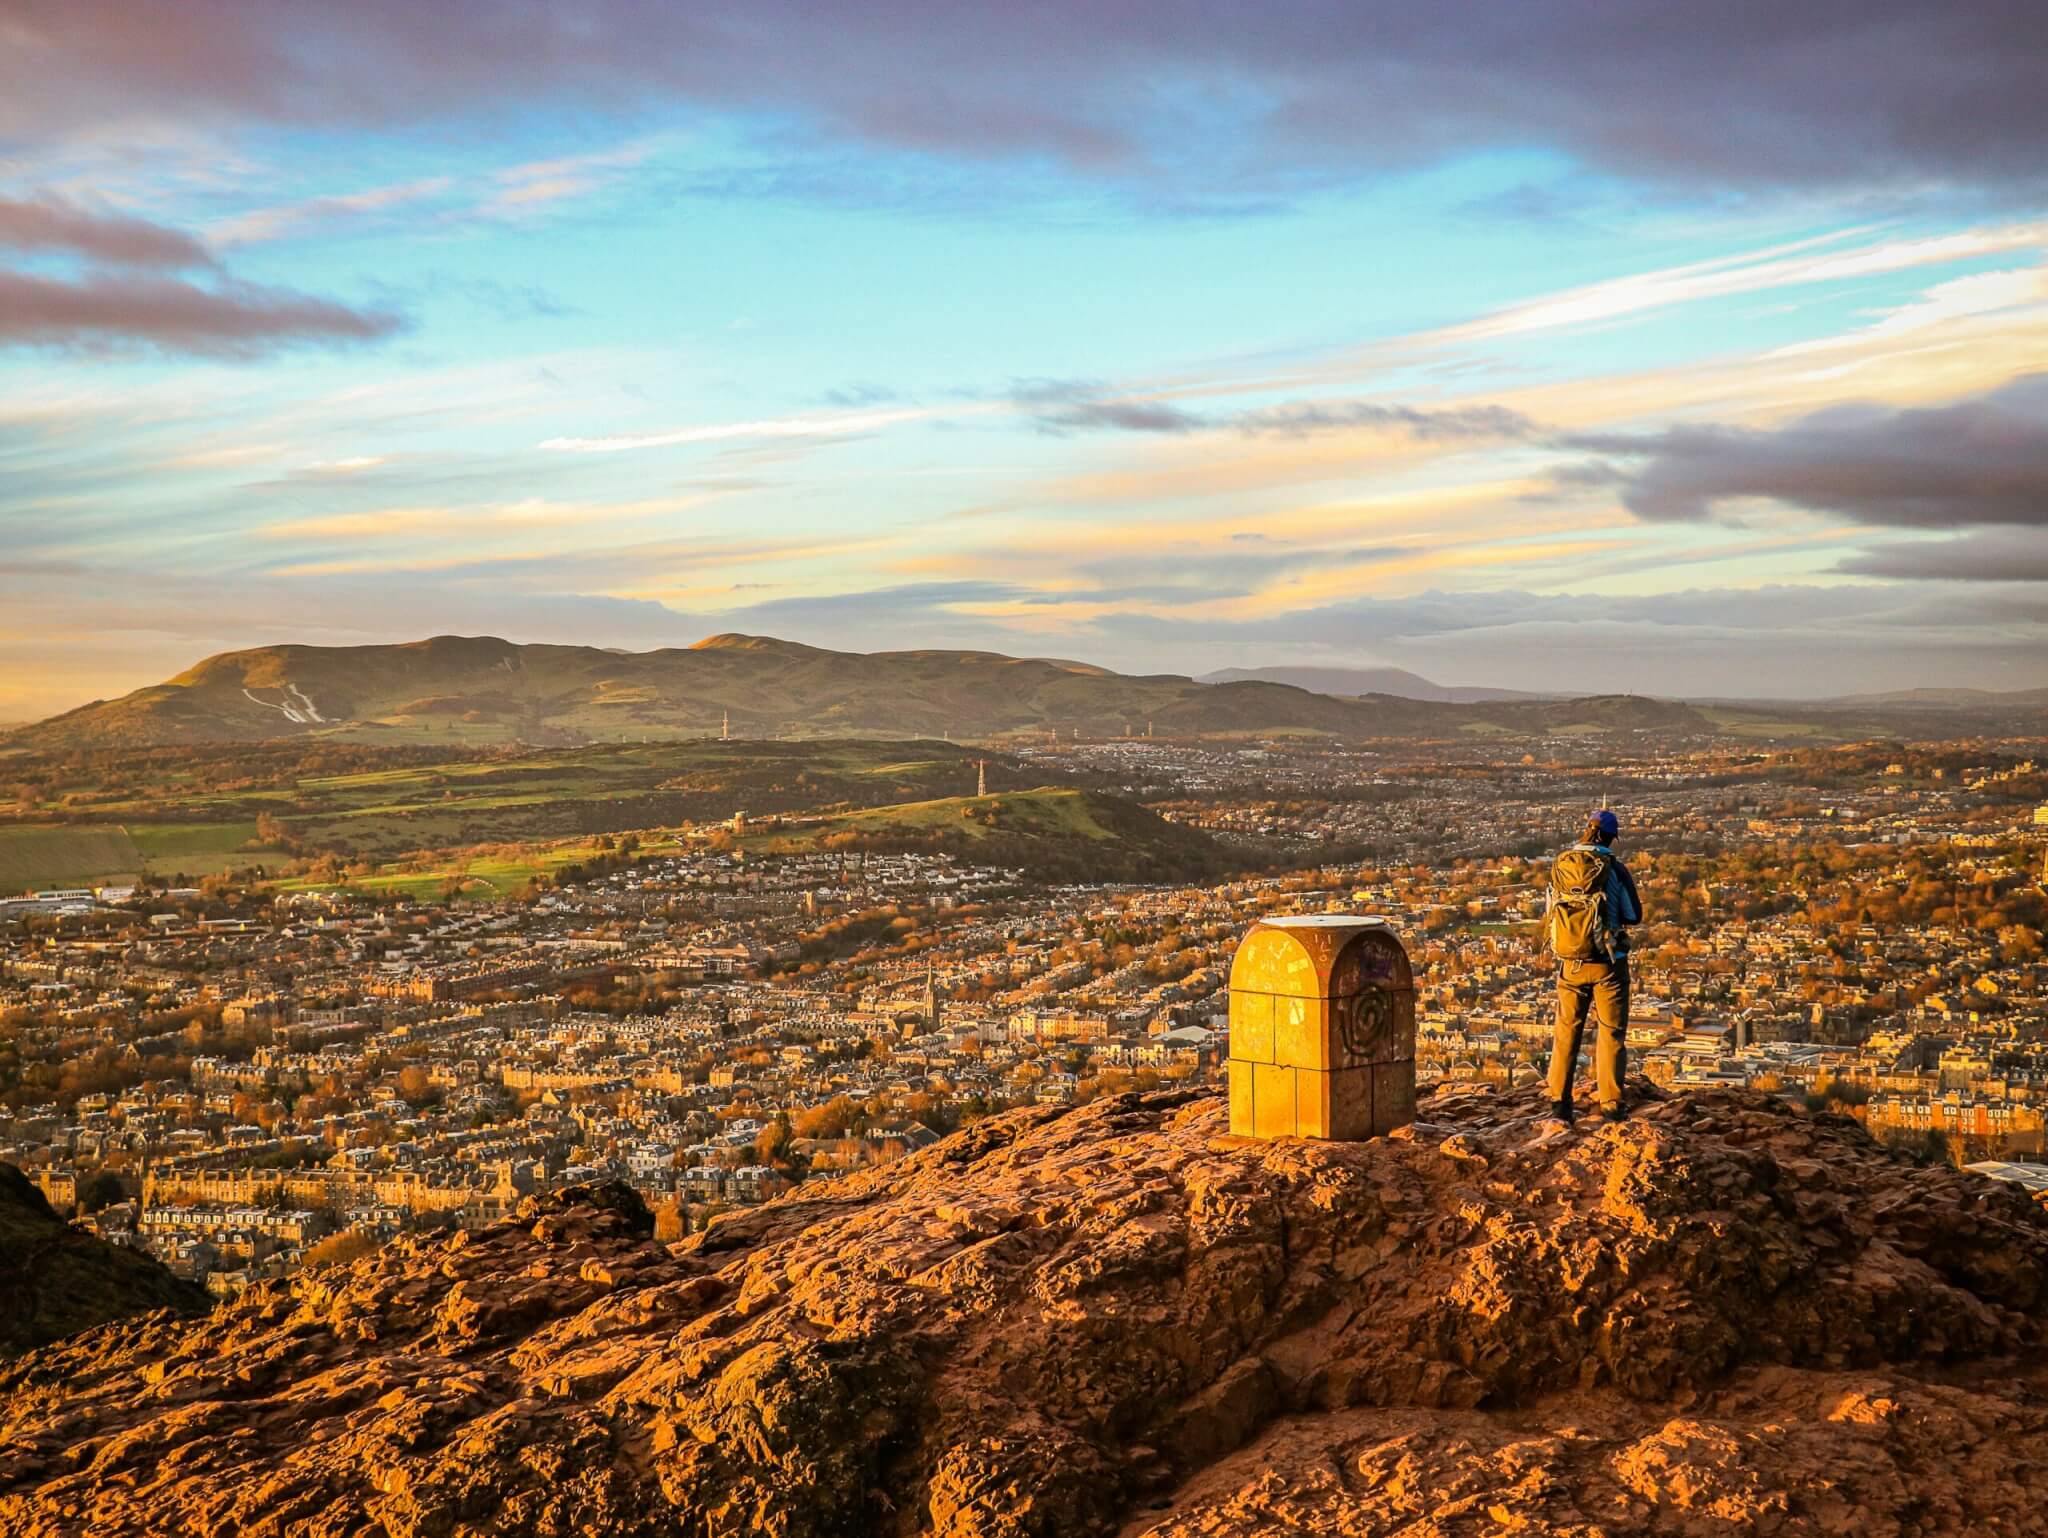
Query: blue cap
x,y
1608,824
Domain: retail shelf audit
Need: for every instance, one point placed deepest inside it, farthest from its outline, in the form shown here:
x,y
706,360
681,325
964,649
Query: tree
x,y
835,1118
341,1248
771,1144
103,1190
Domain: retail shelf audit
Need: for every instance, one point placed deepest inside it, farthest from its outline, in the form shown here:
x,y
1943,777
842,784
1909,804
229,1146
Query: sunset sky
x,y
1680,349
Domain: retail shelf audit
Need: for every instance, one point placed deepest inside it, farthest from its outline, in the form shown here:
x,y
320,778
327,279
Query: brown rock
x,y
1722,1316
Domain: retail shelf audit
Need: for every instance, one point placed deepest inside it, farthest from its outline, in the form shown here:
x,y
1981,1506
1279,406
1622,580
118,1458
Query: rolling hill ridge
x,y
1353,682
469,690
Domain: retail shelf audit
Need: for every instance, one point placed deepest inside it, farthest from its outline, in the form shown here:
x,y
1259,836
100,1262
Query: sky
x,y
1693,350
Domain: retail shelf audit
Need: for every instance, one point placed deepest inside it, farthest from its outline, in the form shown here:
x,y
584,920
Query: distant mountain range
x,y
461,691
1944,699
1353,682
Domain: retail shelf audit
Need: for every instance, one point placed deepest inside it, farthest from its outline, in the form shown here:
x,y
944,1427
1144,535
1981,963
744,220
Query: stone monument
x,y
1322,1029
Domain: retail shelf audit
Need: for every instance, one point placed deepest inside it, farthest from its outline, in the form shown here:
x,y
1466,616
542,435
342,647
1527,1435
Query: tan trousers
x,y
1602,988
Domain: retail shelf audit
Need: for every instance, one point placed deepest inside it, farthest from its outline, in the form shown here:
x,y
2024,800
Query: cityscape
x,y
248,1075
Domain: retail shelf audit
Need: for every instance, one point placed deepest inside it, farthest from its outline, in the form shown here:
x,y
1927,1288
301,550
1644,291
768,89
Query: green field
x,y
1749,723
486,876
195,812
36,857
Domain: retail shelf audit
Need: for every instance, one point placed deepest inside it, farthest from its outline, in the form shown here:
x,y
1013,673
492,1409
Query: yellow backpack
x,y
1578,920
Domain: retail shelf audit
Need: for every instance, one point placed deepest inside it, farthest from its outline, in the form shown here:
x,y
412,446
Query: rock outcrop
x,y
1723,1316
56,1280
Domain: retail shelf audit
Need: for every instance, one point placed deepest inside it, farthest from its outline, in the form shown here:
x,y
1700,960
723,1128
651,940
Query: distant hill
x,y
1947,699
58,1280
459,691
1054,833
1353,682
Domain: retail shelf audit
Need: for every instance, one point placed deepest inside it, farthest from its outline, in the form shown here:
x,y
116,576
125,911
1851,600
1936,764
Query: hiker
x,y
1592,902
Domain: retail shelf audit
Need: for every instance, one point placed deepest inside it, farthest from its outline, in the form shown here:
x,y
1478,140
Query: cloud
x,y
1803,262
52,224
231,319
1207,94
524,190
325,212
862,392
1068,406
817,425
1979,461
2001,555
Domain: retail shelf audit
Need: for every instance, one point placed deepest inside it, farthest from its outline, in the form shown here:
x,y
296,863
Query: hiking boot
x,y
1561,1110
1612,1114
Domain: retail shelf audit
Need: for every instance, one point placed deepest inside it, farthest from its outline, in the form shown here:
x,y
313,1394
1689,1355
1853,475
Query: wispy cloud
x,y
230,320
1805,262
1065,406
523,190
319,213
814,425
54,224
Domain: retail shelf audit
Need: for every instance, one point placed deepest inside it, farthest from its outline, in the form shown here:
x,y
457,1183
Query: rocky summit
x,y
1722,1316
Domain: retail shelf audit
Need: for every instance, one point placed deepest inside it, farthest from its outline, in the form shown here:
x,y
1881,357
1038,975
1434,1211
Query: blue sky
x,y
1343,341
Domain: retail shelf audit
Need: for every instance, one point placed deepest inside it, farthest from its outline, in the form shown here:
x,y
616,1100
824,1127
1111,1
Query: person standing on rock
x,y
1592,903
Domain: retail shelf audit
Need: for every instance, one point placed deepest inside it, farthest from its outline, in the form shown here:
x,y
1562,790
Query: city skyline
x,y
1558,349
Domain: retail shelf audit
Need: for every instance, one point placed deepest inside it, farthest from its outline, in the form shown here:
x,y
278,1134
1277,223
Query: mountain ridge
x,y
1353,682
1725,1314
461,690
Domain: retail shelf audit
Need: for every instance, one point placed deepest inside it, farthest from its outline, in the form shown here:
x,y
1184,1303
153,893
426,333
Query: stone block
x,y
1393,1095
1242,1123
1251,1028
1272,1101
1337,1104
1301,1033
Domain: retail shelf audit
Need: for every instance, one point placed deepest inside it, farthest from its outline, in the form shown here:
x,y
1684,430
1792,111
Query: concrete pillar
x,y
1322,1029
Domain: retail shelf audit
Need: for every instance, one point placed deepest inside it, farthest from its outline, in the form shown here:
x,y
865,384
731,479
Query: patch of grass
x,y
33,857
490,876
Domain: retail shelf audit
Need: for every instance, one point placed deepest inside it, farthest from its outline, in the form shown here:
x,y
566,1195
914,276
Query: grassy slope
x,y
1052,832
34,856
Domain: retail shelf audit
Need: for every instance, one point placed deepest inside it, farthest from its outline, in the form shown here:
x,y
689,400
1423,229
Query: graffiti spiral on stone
x,y
1365,1024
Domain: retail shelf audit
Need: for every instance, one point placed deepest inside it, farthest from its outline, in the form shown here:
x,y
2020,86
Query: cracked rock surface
x,y
1722,1316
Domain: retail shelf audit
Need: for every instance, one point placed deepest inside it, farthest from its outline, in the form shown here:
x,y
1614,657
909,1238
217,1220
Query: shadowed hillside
x,y
56,1280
